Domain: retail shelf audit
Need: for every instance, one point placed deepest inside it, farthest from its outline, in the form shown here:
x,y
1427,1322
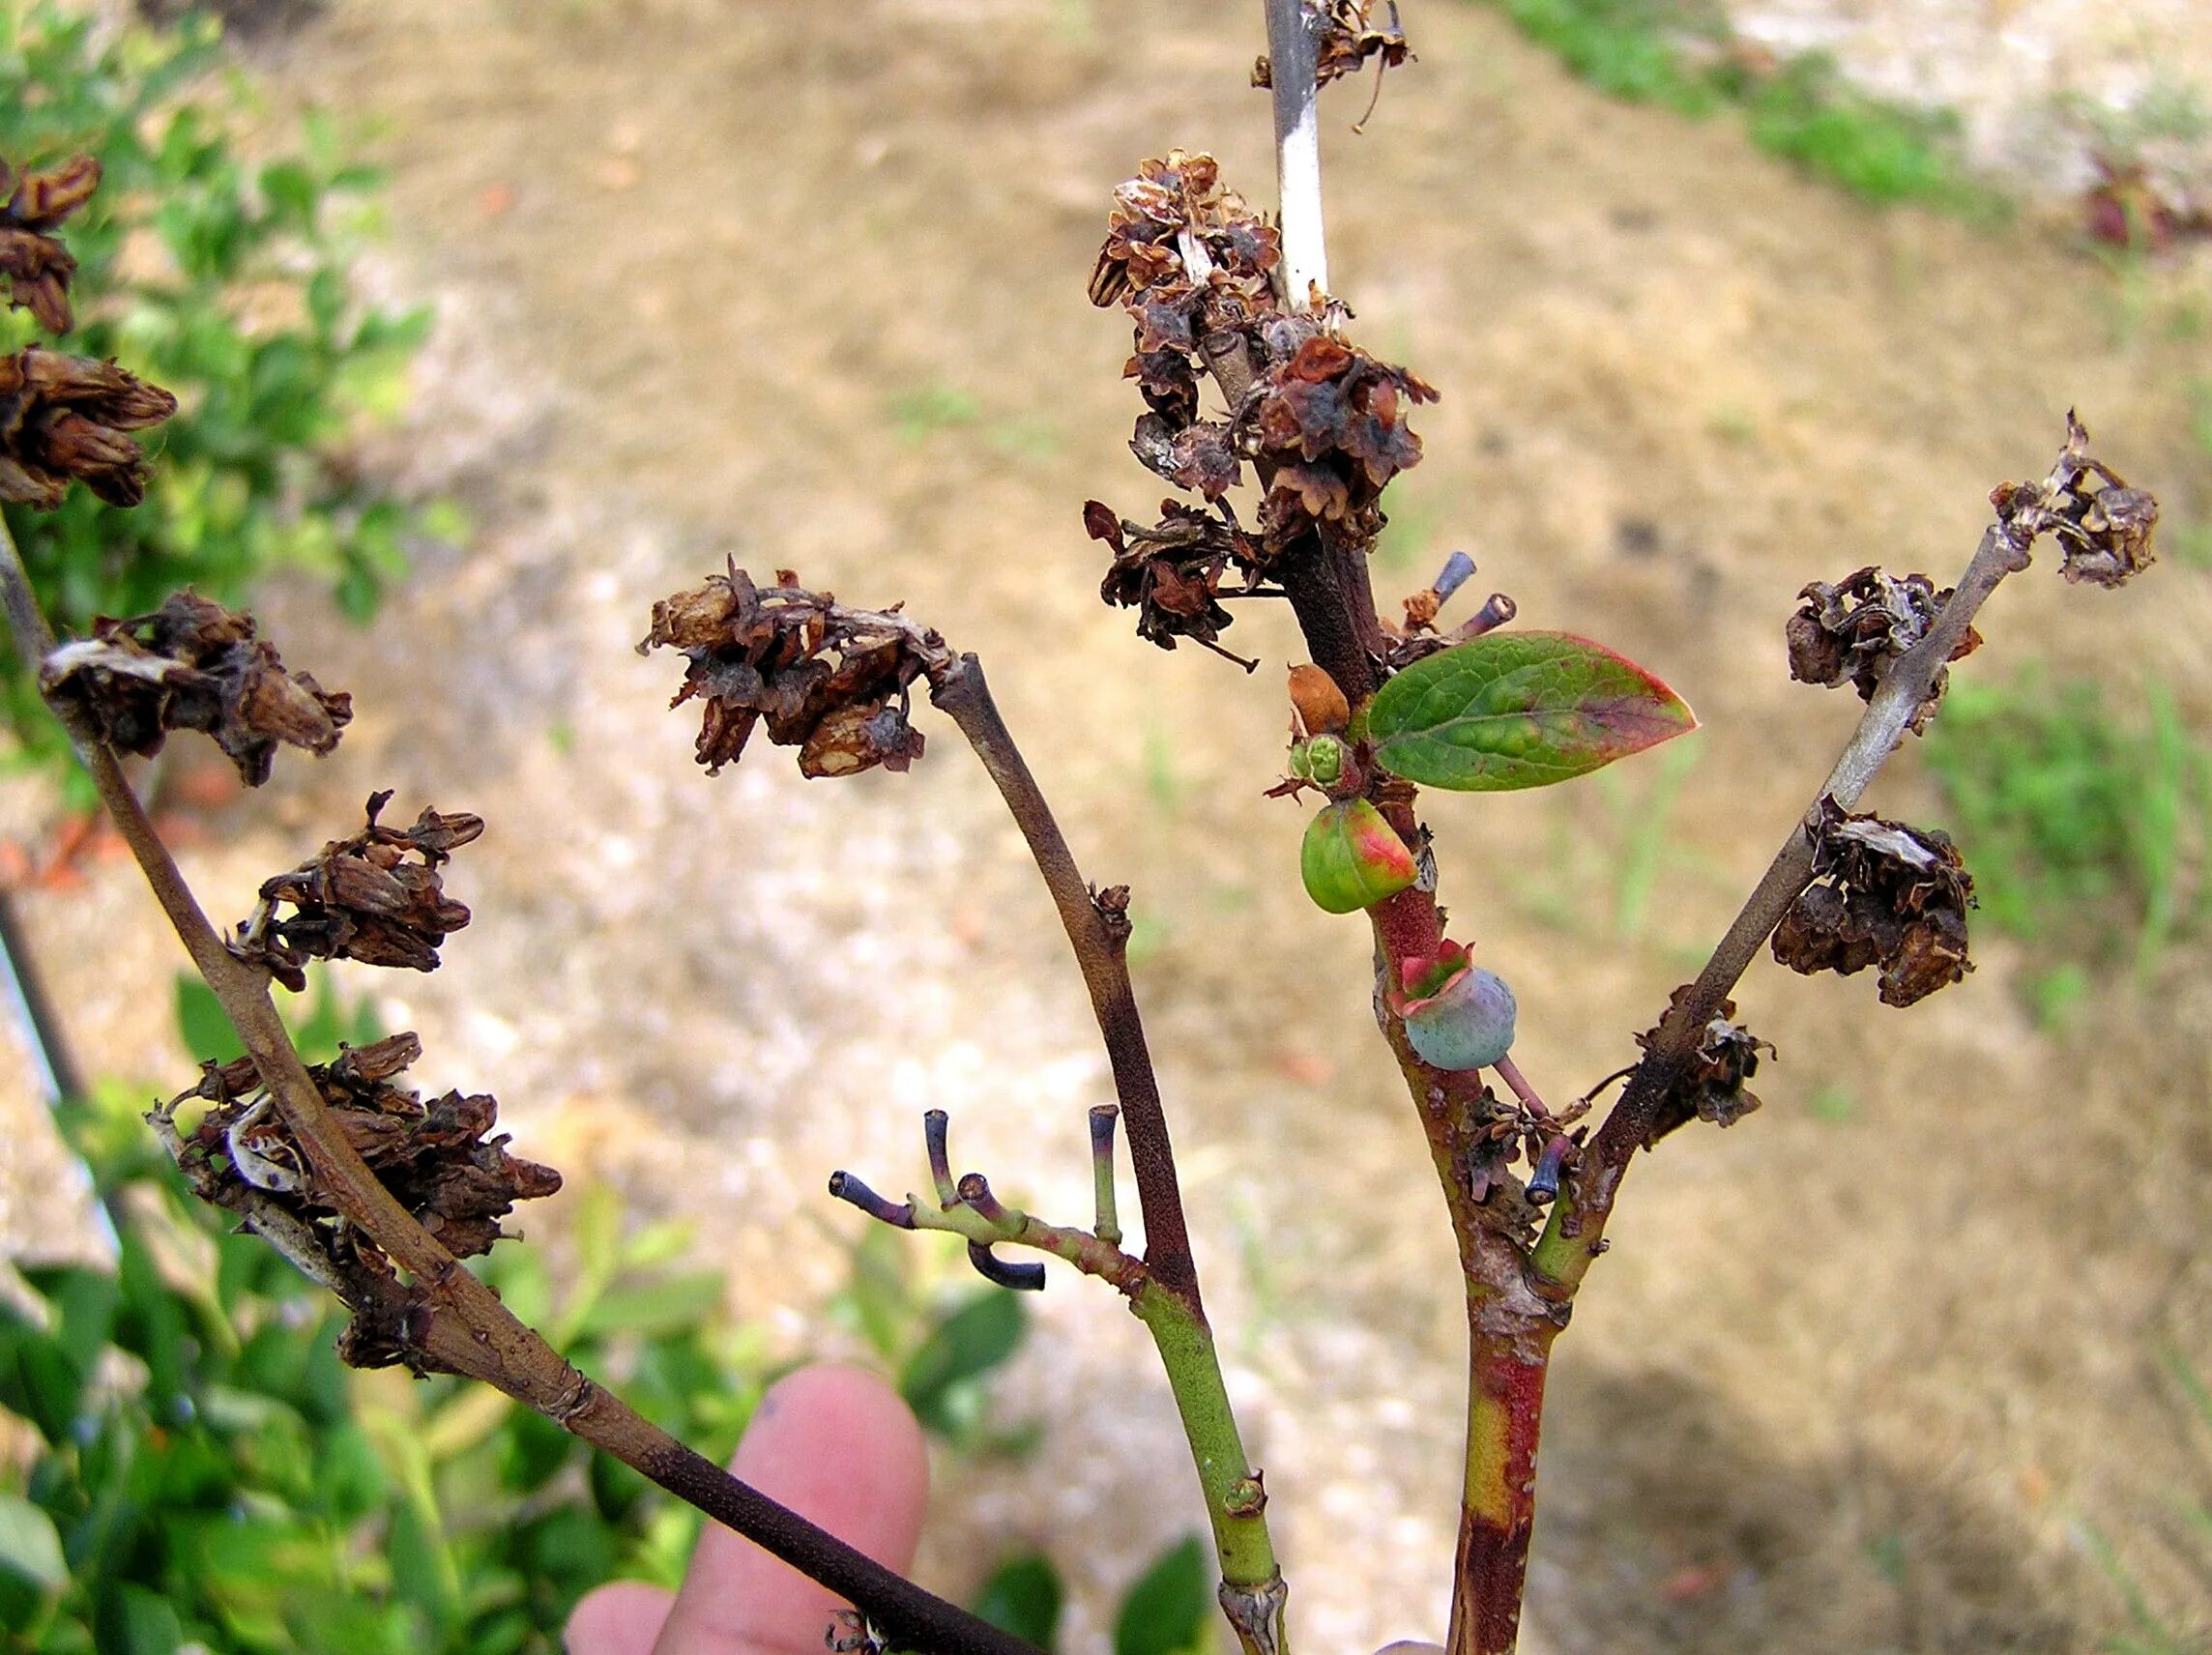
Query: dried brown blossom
x,y
1344,38
1711,1087
64,417
362,898
190,665
1885,895
832,681
1170,573
438,1157
1331,429
2103,527
1182,246
1855,629
35,264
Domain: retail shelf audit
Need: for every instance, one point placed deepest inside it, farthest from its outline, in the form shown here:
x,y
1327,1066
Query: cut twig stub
x,y
62,418
1852,632
190,665
831,681
37,266
362,898
1883,895
439,1158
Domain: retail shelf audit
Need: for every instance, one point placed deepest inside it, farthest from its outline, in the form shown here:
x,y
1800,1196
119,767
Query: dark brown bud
x,y
35,264
62,418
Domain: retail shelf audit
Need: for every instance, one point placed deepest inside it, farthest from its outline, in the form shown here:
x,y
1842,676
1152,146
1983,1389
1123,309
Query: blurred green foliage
x,y
221,271
2085,827
1682,54
202,1470
2159,1624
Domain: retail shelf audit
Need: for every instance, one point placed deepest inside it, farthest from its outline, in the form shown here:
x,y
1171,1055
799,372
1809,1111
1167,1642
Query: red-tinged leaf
x,y
1519,709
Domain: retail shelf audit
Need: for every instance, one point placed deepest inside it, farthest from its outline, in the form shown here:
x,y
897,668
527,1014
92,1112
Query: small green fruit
x,y
1352,859
1467,1023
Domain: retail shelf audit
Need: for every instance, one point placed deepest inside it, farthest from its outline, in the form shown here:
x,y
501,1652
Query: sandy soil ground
x,y
806,284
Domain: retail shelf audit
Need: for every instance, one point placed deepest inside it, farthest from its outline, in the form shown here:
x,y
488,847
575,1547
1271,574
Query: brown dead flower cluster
x,y
1712,1087
1884,894
1322,422
439,1158
834,682
1345,37
2103,527
364,898
1854,629
190,665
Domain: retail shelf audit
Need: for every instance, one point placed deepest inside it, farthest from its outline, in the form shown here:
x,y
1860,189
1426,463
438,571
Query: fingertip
x,y
840,1447
622,1619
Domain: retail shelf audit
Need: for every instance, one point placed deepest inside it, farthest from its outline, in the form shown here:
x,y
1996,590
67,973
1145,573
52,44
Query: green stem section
x,y
1252,1592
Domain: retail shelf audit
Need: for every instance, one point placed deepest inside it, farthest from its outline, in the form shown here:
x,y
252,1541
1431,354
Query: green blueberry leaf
x,y
29,1545
1167,1611
1519,709
1024,1596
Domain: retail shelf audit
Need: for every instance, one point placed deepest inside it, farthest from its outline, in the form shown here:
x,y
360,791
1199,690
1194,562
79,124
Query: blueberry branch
x,y
445,1319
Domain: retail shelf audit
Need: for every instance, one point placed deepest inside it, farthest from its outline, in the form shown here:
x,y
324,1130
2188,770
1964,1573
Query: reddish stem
x,y
1505,1415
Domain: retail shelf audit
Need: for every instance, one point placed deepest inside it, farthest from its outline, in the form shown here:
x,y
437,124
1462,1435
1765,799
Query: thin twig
x,y
1579,1219
1101,951
1297,150
456,1322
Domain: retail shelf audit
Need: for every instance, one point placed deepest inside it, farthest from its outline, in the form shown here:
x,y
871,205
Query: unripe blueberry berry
x,y
1467,1023
1352,859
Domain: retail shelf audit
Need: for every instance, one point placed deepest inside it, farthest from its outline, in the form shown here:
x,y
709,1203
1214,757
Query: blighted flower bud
x,y
62,416
190,665
1352,859
1884,894
439,1157
37,266
362,899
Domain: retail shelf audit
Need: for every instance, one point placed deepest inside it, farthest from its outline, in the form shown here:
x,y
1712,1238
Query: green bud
x,y
1325,759
1301,762
1352,859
